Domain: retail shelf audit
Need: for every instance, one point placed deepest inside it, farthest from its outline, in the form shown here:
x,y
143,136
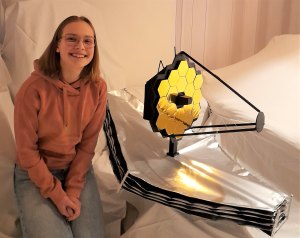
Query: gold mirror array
x,y
173,96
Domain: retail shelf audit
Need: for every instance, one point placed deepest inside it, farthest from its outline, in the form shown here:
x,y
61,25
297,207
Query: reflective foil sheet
x,y
201,180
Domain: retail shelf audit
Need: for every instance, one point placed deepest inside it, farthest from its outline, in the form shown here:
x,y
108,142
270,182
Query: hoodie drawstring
x,y
65,106
68,91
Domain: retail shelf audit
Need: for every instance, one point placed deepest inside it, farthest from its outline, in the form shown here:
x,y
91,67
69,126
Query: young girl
x,y
59,112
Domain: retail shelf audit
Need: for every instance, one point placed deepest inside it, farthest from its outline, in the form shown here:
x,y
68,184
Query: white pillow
x,y
130,47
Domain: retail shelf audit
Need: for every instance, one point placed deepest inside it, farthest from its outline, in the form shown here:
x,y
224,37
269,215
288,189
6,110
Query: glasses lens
x,y
71,40
89,42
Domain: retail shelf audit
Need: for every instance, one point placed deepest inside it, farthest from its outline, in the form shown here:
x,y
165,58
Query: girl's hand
x,y
65,205
74,213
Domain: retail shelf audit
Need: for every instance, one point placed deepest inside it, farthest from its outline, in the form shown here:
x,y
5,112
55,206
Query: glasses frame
x,y
78,40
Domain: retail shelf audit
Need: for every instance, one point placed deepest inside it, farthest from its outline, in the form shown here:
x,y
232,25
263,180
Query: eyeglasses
x,y
73,40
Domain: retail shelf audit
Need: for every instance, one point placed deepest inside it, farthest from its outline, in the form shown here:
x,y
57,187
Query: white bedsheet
x,y
271,81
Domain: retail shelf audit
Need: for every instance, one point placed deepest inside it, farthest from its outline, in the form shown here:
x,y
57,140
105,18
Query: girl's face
x,y
76,46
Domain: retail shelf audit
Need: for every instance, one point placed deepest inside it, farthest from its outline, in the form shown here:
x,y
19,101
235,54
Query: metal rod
x,y
225,125
212,132
218,78
172,147
160,64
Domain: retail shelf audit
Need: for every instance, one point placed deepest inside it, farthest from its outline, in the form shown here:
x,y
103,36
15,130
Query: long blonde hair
x,y
49,62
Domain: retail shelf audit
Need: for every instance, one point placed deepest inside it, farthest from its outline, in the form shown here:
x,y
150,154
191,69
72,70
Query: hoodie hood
x,y
72,88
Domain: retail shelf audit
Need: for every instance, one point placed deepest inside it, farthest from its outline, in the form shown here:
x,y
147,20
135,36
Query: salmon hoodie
x,y
56,127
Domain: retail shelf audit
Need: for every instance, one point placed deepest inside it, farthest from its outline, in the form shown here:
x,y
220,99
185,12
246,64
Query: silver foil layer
x,y
202,180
